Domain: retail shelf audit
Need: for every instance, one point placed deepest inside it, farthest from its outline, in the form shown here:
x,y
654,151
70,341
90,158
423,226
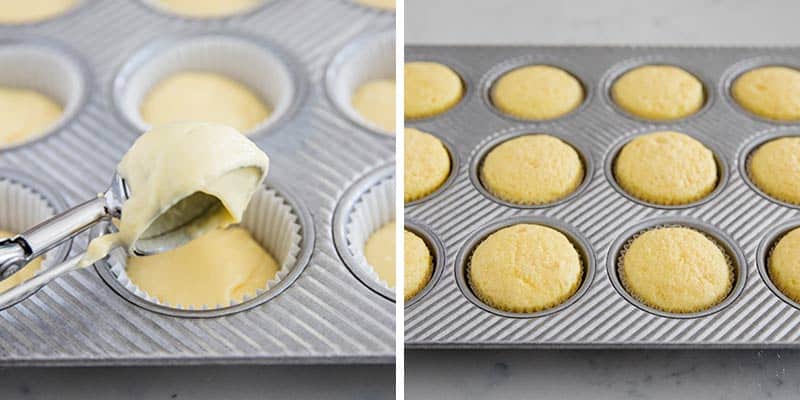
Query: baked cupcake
x,y
525,268
677,270
666,168
775,168
658,92
537,92
430,89
418,264
379,250
771,92
25,114
784,265
532,169
427,164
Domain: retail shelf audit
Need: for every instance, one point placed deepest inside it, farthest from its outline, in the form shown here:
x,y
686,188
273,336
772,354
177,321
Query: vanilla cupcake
x,y
537,92
677,270
784,265
532,169
774,168
430,89
427,164
666,168
418,264
771,92
525,268
658,92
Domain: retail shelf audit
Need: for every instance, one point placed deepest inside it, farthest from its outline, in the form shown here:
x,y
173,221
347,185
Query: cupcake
x,y
658,92
774,167
430,89
771,92
418,264
427,164
537,92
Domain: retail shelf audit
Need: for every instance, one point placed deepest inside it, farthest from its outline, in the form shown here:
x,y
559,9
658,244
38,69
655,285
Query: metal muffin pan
x,y
735,214
320,312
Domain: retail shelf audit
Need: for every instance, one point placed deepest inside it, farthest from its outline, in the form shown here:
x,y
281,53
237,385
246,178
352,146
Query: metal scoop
x,y
171,229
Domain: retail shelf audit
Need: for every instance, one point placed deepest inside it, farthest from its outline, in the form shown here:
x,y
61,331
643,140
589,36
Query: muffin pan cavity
x,y
49,68
363,60
26,201
261,66
437,251
275,219
733,256
365,207
582,246
746,153
742,66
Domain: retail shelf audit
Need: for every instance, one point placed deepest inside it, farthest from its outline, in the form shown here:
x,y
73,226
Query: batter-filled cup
x,y
366,61
271,221
371,212
48,76
261,70
24,203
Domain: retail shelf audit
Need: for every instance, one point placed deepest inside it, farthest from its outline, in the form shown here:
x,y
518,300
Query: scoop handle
x,y
16,293
16,252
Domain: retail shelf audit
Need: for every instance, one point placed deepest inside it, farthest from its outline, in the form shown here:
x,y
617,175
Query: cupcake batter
x,y
221,267
25,114
775,169
380,253
658,92
430,89
374,100
22,275
537,92
427,164
676,270
770,92
194,96
419,264
525,268
666,168
180,168
20,12
207,8
532,169
380,4
784,264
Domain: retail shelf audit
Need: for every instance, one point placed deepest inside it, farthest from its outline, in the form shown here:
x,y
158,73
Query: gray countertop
x,y
602,374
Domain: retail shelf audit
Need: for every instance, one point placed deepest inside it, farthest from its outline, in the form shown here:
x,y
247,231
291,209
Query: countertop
x,y
602,374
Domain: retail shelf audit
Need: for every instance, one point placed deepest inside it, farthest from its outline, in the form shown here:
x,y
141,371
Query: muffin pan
x,y
318,311
739,218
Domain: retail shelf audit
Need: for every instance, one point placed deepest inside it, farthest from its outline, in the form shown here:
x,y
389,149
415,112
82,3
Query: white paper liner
x,y
43,69
273,224
22,208
160,7
240,59
374,209
360,62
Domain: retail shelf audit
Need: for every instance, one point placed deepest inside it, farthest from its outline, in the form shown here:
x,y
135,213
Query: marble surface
x,y
606,374
335,382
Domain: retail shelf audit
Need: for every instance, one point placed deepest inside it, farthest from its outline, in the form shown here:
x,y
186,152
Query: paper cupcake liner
x,y
47,68
25,203
365,59
262,68
157,6
373,210
273,223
